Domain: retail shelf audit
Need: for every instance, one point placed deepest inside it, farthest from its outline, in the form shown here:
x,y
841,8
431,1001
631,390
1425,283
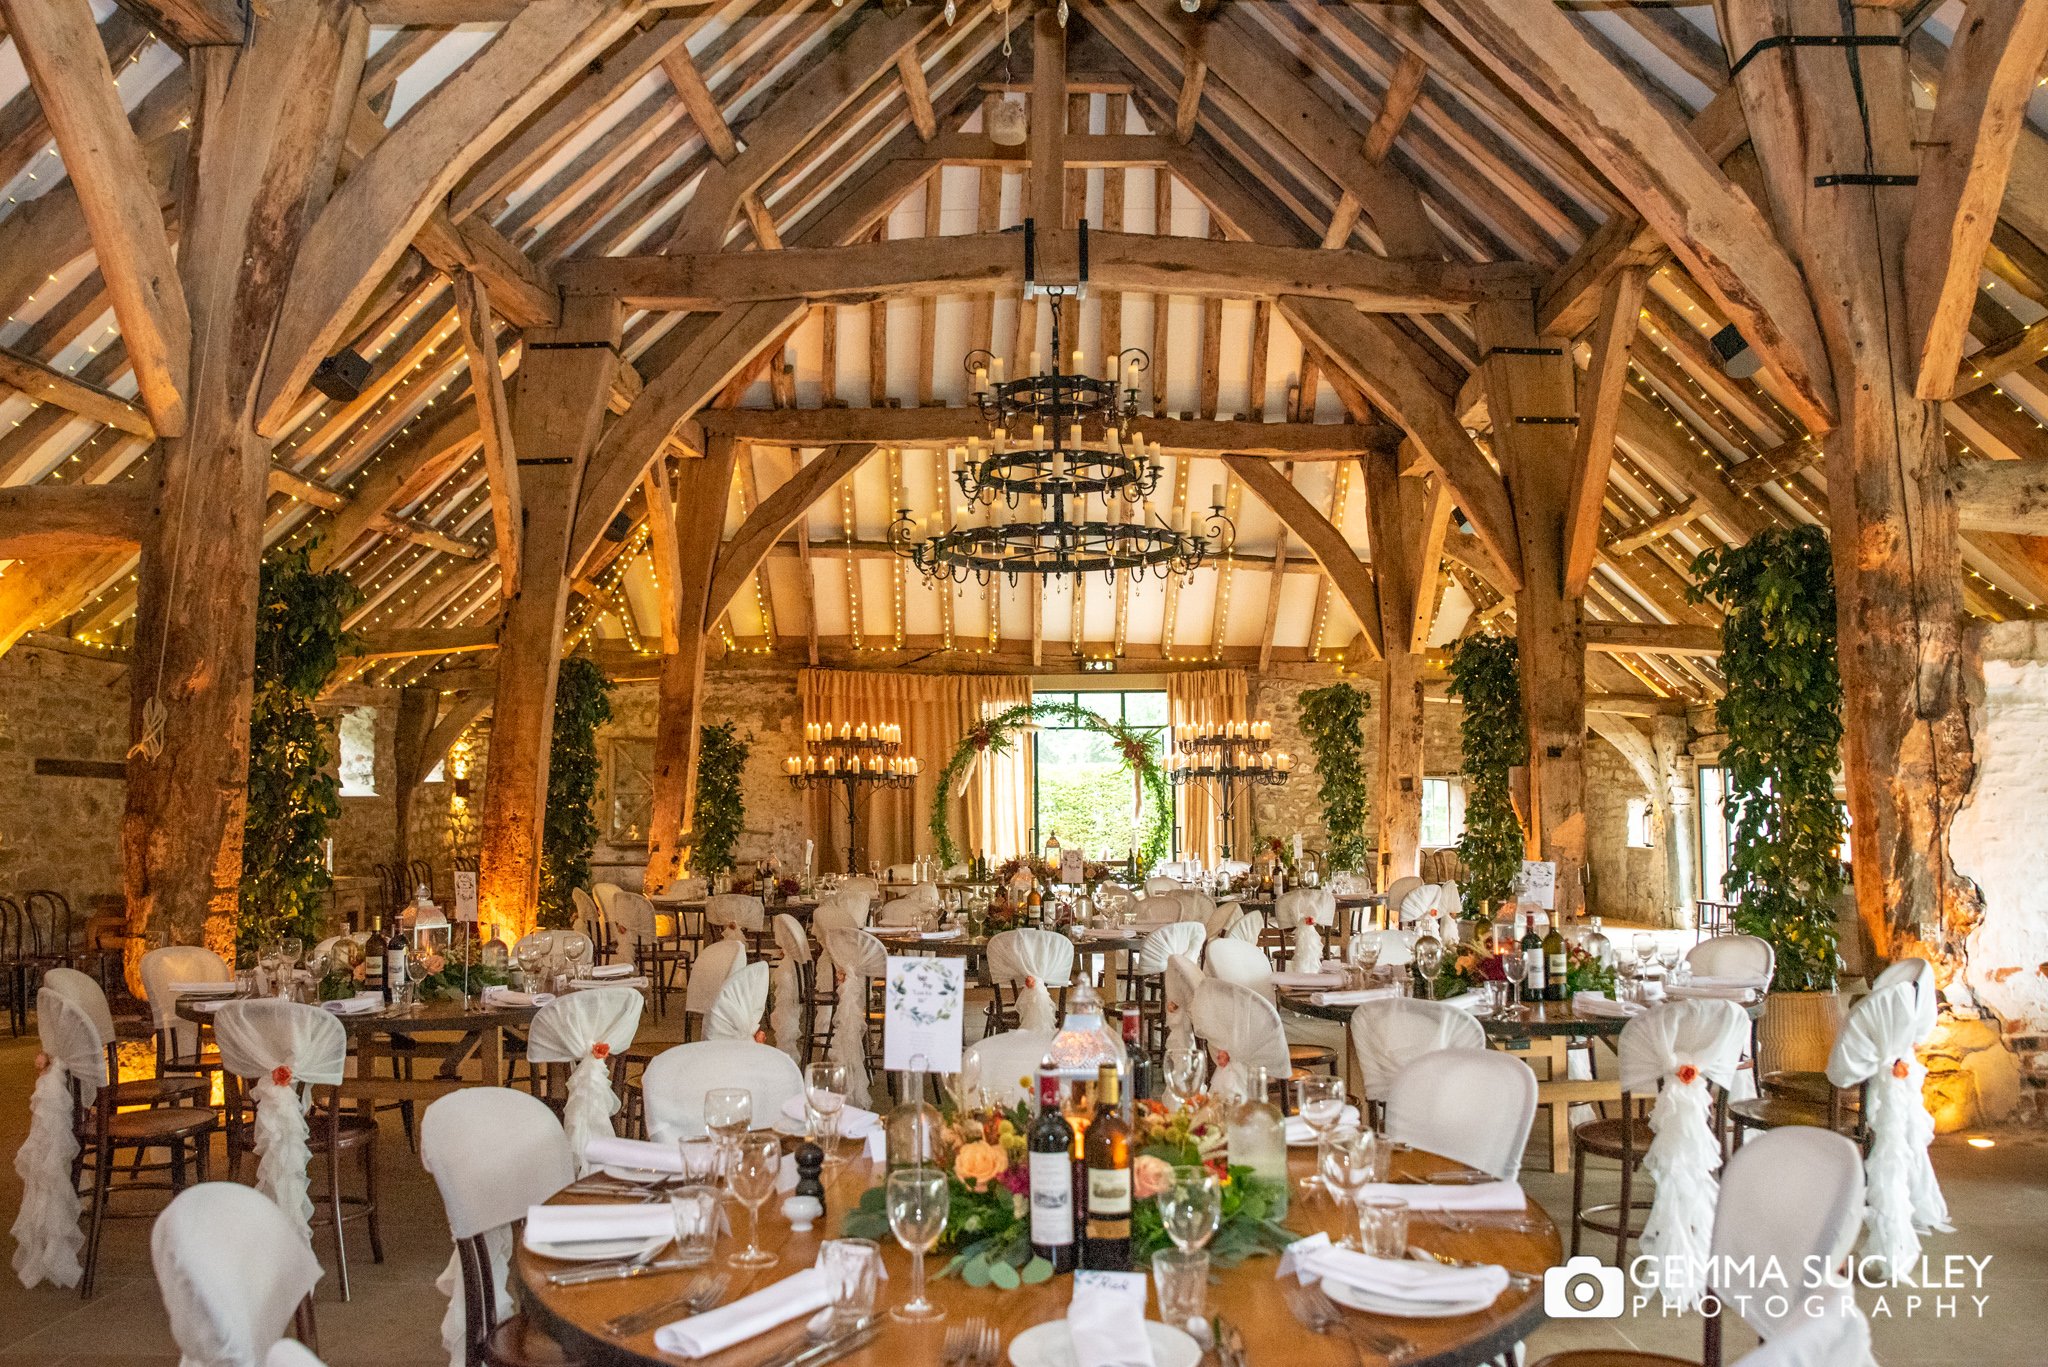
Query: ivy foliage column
x,y
1333,719
721,805
294,793
1486,678
583,702
1783,715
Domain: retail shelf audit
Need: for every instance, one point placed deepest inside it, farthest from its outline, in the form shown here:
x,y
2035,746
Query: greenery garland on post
x,y
1783,714
569,830
1486,678
1333,720
294,794
721,806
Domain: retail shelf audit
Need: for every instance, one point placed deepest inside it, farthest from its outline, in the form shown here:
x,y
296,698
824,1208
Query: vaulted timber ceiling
x,y
1361,126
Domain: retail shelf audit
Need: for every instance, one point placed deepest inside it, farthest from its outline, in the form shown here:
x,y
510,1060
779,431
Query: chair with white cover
x,y
230,1300
633,919
1303,913
291,1353
1747,958
1183,978
529,1161
163,971
919,901
591,917
1242,1029
1216,918
591,1031
1682,1053
284,1052
733,914
677,1079
1397,893
1474,1105
1389,1034
1875,1051
1159,883
1799,1097
1246,926
861,884
719,961
793,1018
1237,961
1031,963
1004,1066
741,1003
1415,907
1392,948
85,991
858,960
1145,983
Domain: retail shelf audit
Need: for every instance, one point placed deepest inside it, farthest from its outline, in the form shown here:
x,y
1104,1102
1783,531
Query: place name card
x,y
924,1013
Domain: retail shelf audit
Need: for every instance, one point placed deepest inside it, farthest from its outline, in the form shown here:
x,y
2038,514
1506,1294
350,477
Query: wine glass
x,y
1191,1207
1187,1069
578,950
728,1113
918,1202
1429,956
1514,968
1320,1099
293,948
756,1164
1346,1159
1645,947
824,1101
531,958
415,974
1667,955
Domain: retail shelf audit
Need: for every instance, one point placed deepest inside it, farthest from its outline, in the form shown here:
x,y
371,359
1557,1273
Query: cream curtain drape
x,y
936,711
1205,697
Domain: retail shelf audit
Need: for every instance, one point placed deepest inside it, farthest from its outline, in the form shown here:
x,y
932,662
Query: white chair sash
x,y
1004,1066
718,961
530,1161
585,1029
1040,960
1675,1050
1876,1046
741,1003
1180,937
1235,960
786,1019
1183,979
285,1049
1415,904
675,1081
856,957
1838,1338
1243,1032
231,1272
47,1238
162,971
1306,911
1390,1034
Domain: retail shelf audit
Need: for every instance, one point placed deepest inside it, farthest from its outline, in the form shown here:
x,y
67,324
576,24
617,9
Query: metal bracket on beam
x,y
1841,40
547,460
1549,422
1861,178
1492,352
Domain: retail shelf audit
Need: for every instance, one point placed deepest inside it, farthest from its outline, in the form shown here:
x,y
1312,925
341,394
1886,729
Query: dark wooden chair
x,y
17,964
183,1128
1624,1138
488,1341
331,1131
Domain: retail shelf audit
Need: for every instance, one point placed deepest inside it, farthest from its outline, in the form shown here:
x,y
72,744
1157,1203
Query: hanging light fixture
x,y
1057,439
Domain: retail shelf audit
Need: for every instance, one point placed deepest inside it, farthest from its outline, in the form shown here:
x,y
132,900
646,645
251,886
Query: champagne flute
x,y
1191,1207
918,1201
755,1166
1320,1101
728,1114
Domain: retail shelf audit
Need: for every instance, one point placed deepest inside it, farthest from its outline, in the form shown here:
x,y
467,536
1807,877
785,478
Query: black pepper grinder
x,y
810,1162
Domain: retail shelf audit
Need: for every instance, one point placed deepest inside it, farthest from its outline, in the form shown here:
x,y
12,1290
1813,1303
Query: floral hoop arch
x,y
998,733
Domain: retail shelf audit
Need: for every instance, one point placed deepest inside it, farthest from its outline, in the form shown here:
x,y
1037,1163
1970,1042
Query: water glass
x,y
1191,1207
695,1209
853,1269
700,1161
1383,1226
1180,1276
756,1164
918,1201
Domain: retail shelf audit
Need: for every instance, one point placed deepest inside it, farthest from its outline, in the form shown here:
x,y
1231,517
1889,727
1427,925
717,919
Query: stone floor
x,y
1999,1197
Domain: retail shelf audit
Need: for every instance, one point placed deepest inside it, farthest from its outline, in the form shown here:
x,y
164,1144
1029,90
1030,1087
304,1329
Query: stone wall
x,y
58,832
1627,884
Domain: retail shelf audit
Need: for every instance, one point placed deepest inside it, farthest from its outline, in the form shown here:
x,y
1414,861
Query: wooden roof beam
x,y
929,427
1351,577
39,521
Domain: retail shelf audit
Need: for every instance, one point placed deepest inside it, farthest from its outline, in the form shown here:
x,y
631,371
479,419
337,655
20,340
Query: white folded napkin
x,y
1107,1320
219,989
1315,1258
949,933
1475,1197
209,1004
611,1151
1330,979
588,1224
1299,1131
505,996
1468,1001
359,1004
748,1317
1698,989
854,1122
585,984
1600,1004
1353,996
612,971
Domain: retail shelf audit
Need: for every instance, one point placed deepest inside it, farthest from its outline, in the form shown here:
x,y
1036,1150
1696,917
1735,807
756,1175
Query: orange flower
x,y
1222,1057
1900,1070
1030,983
980,1163
42,1063
281,1075
1688,1074
600,1051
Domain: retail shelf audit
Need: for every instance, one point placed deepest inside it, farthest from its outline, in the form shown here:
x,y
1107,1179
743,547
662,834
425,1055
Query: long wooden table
x,y
1245,1295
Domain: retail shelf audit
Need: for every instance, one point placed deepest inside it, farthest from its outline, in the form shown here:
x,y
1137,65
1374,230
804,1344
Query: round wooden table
x,y
1245,1295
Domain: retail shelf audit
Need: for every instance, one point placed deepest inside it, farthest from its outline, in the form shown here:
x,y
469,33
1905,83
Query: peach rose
x,y
980,1163
1150,1176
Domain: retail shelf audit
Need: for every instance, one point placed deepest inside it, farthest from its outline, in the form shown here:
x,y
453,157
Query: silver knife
x,y
832,1349
616,1273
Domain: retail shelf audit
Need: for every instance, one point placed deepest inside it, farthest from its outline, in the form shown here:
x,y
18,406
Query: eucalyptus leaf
x,y
1034,1272
1004,1276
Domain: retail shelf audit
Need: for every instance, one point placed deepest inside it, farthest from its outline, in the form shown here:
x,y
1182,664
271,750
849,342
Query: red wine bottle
x,y
1052,1178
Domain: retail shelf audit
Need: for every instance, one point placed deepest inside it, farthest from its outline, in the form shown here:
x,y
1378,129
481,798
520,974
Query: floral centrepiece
x,y
1475,965
988,1225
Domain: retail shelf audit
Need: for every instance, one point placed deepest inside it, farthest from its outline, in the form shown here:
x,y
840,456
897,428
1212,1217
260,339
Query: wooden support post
x,y
1407,516
1907,748
418,709
1531,396
563,389
261,132
702,485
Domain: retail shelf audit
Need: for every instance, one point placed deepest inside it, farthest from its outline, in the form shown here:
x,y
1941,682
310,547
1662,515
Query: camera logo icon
x,y
1583,1289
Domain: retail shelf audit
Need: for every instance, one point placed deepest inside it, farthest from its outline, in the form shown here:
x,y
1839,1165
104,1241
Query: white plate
x,y
1357,1298
598,1250
638,1177
1348,1117
1051,1345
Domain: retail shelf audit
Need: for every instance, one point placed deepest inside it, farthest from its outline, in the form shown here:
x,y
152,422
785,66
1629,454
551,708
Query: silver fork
x,y
1390,1346
987,1343
957,1349
700,1295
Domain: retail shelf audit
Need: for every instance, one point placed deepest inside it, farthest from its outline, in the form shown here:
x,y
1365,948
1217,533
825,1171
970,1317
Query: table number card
x,y
465,895
1072,870
1537,886
924,1013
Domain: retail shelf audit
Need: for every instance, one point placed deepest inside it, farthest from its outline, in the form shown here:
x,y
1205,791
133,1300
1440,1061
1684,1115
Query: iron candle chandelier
x,y
1060,437
1227,756
851,759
